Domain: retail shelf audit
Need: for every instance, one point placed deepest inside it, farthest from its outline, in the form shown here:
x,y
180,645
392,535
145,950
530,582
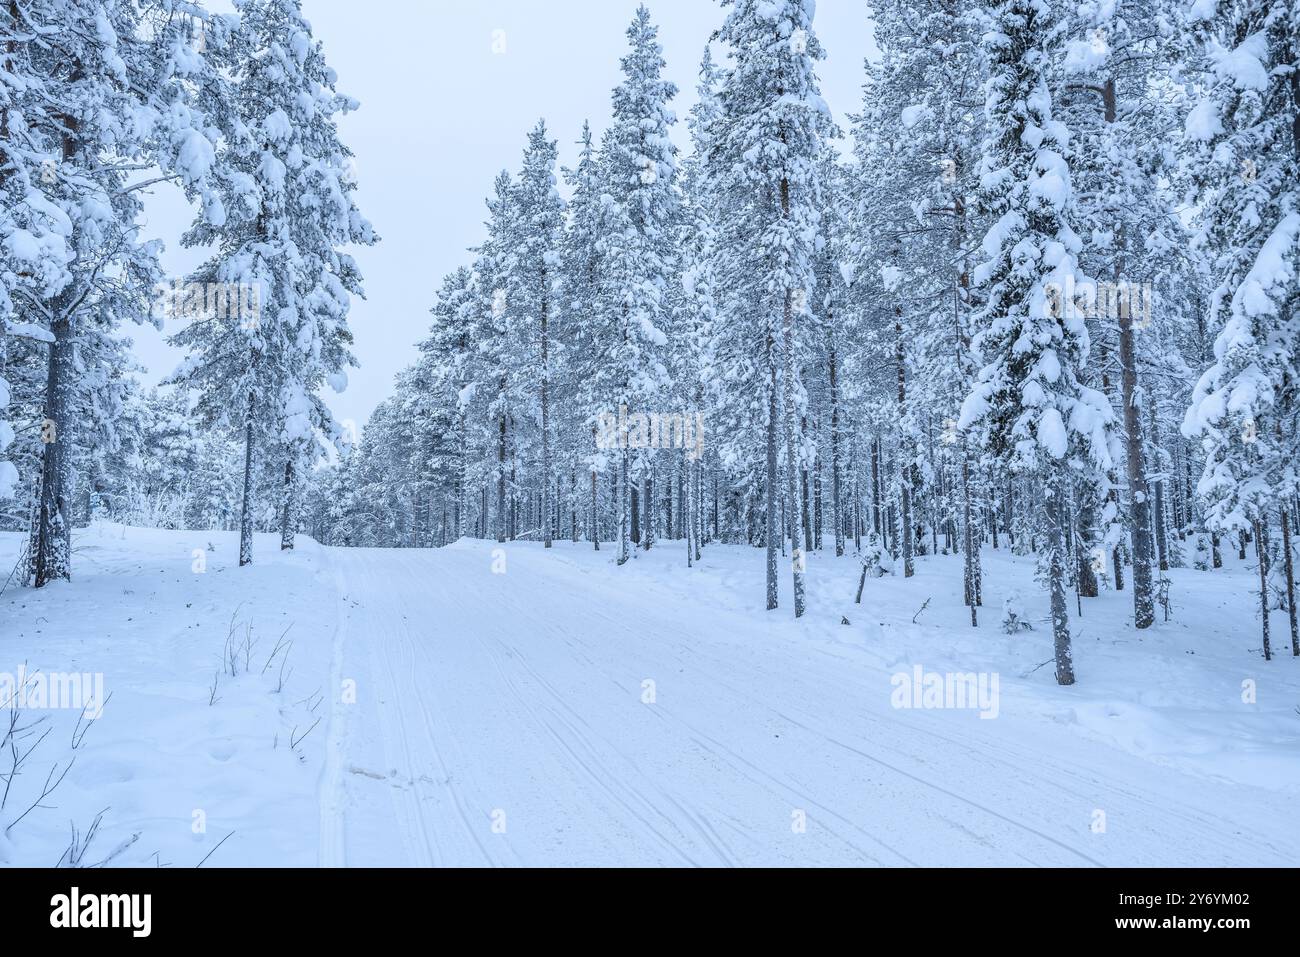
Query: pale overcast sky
x,y
448,92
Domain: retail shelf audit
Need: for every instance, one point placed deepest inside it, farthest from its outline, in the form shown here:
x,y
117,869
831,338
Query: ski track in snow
x,y
520,695
332,838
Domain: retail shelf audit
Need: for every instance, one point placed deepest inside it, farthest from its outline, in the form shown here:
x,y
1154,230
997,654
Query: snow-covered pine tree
x,y
638,172
117,84
532,295
497,365
930,84
1247,170
834,281
742,384
698,317
1032,410
450,383
287,192
776,120
580,288
34,254
1119,118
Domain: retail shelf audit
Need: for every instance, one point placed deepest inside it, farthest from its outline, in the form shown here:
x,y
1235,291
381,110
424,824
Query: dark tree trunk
x,y
52,556
547,465
1290,584
970,554
1085,525
836,491
246,509
905,463
877,521
501,475
1261,546
1057,557
772,532
1144,606
806,517
288,517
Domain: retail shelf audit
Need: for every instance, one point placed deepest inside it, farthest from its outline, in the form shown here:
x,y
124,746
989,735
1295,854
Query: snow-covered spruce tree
x,y
1120,120
883,228
822,421
580,288
916,140
742,383
287,192
928,92
775,118
449,382
497,363
117,96
34,254
1247,170
697,303
834,282
871,355
1031,408
536,267
638,171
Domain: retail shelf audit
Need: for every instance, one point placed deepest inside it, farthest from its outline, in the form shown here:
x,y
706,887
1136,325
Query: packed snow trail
x,y
569,713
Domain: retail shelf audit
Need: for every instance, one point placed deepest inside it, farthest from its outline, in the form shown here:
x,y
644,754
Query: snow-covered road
x,y
566,712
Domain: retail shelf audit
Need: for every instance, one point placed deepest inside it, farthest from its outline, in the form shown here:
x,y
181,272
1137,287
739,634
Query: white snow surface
x,y
503,718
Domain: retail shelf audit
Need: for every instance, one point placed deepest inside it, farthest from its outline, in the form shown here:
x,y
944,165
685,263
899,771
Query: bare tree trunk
x,y
624,507
595,513
877,521
52,553
904,450
52,556
1158,520
547,464
686,523
836,491
772,533
1144,606
804,511
1057,552
501,472
1261,547
635,492
698,515
856,517
246,509
792,446
970,561
288,517
1085,525
648,509
1290,584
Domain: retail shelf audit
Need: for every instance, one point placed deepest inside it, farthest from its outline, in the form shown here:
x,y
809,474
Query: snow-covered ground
x,y
486,704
